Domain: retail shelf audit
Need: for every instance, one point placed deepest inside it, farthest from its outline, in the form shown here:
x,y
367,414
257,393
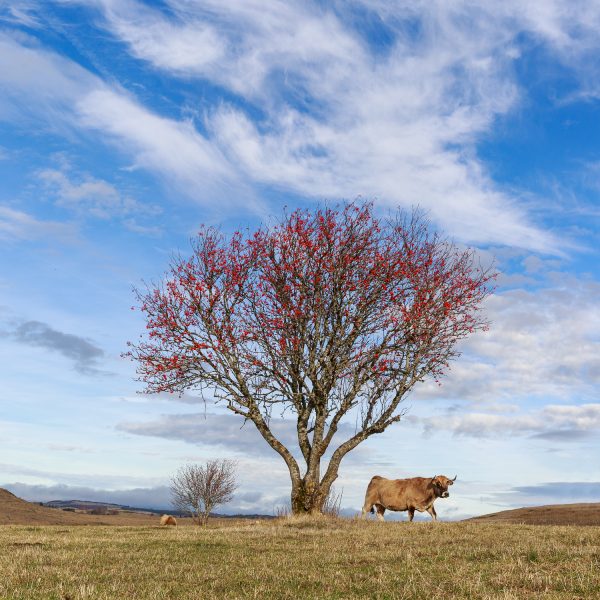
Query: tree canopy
x,y
328,313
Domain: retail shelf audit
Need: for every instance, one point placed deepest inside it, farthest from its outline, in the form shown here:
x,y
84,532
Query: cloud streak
x,y
555,422
226,431
154,497
68,99
303,101
83,352
16,225
341,117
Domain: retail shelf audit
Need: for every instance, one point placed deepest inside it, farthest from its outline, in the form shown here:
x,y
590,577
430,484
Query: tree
x,y
330,315
198,489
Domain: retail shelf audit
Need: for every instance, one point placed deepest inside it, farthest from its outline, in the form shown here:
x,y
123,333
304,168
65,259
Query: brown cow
x,y
168,520
416,493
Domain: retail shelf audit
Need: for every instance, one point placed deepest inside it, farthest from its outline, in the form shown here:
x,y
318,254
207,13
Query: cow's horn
x,y
454,478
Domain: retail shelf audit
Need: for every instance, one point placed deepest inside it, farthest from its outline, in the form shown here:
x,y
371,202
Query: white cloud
x,y
185,49
20,12
341,121
556,422
48,82
339,118
88,195
174,149
67,98
18,226
542,342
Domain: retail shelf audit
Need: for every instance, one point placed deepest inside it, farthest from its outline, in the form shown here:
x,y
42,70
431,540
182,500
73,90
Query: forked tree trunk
x,y
309,494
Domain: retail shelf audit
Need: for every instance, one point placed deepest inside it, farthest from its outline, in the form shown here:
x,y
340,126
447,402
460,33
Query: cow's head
x,y
441,483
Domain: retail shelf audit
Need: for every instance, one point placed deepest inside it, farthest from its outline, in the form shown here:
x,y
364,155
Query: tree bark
x,y
310,492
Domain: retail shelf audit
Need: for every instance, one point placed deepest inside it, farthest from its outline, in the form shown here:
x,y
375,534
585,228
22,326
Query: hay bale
x,y
168,520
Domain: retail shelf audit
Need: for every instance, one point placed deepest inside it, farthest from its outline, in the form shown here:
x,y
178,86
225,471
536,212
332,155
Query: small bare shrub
x,y
282,512
198,489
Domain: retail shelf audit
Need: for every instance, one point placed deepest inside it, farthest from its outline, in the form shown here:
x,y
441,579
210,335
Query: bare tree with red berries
x,y
329,316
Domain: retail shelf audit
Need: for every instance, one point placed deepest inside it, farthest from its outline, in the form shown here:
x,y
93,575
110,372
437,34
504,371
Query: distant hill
x,y
15,511
553,514
87,505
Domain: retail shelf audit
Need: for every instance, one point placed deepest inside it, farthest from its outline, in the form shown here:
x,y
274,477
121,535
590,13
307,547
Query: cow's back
x,y
383,491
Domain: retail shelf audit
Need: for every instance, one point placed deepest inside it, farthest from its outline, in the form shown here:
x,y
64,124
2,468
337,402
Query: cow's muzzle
x,y
445,495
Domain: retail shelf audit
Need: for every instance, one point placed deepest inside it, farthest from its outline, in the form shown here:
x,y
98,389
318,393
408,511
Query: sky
x,y
126,125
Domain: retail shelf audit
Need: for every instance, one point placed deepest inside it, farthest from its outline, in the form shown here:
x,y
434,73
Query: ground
x,y
287,558
55,555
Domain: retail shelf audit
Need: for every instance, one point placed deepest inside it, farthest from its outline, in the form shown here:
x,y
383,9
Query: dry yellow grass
x,y
301,559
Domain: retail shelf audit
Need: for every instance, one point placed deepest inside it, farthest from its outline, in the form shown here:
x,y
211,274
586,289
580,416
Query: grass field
x,y
300,559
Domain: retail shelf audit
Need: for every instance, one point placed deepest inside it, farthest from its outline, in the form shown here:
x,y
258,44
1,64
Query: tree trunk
x,y
309,494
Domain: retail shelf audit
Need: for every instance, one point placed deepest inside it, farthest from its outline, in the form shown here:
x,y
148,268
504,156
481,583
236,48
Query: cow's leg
x,y
432,512
366,509
380,511
411,514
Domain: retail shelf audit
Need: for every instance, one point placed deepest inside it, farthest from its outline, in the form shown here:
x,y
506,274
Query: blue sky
x,y
124,125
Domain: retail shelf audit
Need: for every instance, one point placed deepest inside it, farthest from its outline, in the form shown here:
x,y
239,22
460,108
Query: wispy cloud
x,y
225,431
554,492
174,149
20,12
562,491
157,497
18,225
86,479
64,96
556,422
341,119
86,196
542,342
337,118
